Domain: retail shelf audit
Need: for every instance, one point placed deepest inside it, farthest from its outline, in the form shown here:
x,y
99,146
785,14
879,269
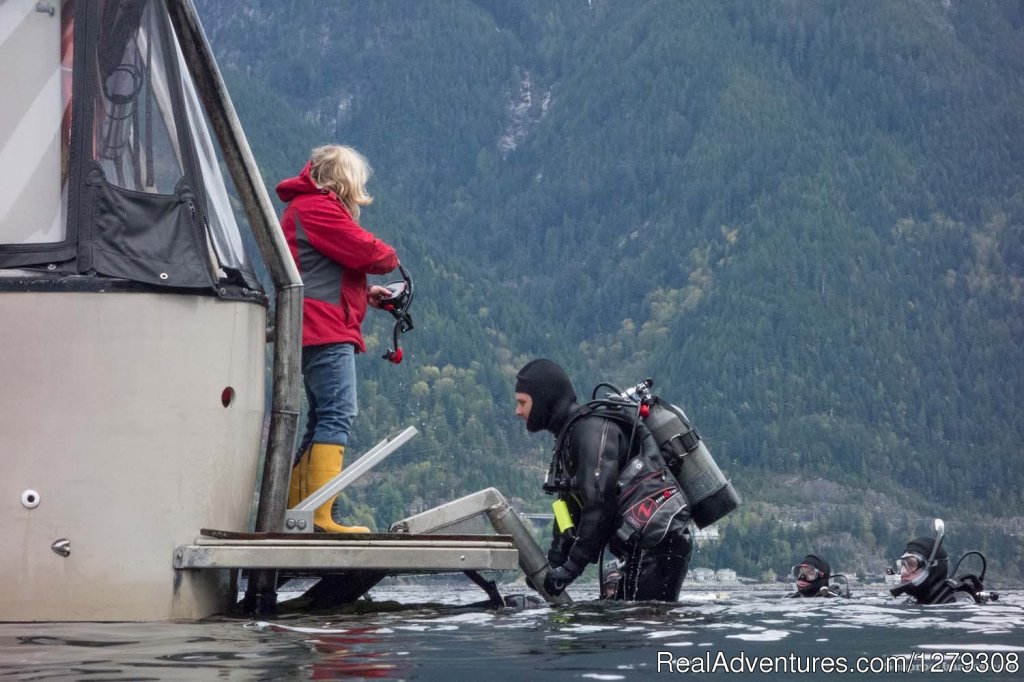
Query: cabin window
x,y
224,231
134,136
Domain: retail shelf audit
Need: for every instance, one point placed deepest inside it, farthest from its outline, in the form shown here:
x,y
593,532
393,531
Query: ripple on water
x,y
669,633
762,636
971,647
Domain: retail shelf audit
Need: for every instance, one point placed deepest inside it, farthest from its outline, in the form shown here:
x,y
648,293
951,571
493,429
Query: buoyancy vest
x,y
650,502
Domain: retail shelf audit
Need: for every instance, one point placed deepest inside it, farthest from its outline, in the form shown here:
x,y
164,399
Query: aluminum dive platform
x,y
349,564
390,552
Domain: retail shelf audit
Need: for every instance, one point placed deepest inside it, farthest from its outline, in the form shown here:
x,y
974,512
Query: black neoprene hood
x,y
551,390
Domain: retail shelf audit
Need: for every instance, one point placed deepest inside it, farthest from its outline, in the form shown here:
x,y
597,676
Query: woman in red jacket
x,y
334,255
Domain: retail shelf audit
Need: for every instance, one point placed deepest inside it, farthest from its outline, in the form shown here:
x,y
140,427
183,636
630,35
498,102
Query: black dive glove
x,y
558,578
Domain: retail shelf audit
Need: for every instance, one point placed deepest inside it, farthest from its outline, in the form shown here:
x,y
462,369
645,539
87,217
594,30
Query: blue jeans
x,y
329,375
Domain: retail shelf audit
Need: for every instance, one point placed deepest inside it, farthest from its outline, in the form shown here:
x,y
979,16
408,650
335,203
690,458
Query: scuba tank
x,y
710,493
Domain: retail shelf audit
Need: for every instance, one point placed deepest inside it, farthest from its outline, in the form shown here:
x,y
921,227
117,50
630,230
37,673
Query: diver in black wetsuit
x,y
812,578
923,569
610,578
593,451
925,576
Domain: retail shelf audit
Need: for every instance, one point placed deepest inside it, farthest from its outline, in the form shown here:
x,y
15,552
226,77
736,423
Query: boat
x,y
138,414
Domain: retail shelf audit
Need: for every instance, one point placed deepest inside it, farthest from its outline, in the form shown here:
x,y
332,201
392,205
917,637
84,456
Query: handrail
x,y
503,518
284,409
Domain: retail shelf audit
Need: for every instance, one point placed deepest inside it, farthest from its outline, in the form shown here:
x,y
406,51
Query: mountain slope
x,y
805,220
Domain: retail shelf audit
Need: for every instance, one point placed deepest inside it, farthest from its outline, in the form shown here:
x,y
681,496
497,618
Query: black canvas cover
x,y
153,238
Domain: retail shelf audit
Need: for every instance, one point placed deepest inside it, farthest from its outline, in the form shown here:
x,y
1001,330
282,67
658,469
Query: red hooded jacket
x,y
334,255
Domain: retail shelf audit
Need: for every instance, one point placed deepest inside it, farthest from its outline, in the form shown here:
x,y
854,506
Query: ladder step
x,y
421,554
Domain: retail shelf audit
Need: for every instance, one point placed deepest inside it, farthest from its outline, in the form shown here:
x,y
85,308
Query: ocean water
x,y
431,631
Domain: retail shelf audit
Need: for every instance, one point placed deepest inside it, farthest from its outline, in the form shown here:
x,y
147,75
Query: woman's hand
x,y
375,294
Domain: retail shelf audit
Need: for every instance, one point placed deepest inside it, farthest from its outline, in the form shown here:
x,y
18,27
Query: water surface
x,y
428,632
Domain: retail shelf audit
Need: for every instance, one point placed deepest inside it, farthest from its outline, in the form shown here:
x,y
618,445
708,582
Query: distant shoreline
x,y
714,586
689,585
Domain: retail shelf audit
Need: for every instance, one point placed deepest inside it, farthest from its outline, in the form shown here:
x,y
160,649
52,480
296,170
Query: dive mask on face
x,y
920,575
912,563
806,573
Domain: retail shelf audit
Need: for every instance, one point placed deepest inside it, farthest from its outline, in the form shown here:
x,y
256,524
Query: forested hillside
x,y
803,219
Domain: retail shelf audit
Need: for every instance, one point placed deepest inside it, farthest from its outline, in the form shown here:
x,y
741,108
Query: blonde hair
x,y
345,172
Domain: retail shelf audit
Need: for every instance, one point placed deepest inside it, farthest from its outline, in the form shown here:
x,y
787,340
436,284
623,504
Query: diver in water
x,y
923,569
610,579
594,452
925,576
812,579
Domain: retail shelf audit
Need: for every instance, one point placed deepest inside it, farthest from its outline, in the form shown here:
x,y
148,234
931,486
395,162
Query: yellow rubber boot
x,y
298,484
325,460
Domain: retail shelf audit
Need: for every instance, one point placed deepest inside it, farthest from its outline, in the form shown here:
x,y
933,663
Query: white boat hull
x,y
111,412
